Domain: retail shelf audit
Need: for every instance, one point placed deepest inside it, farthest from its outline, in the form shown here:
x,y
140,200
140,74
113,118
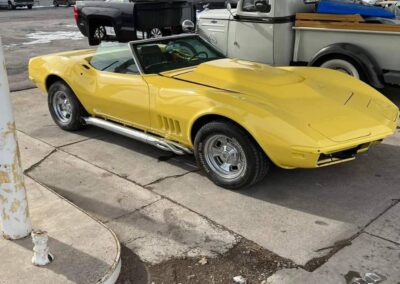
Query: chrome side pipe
x,y
158,142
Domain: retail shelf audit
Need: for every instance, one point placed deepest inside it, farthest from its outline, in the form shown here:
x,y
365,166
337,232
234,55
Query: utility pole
x,y
14,212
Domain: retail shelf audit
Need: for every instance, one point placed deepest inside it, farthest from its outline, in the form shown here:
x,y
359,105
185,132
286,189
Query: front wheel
x,y
64,107
30,7
11,6
229,156
55,4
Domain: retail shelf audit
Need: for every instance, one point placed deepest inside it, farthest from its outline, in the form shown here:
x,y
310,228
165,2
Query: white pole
x,y
14,213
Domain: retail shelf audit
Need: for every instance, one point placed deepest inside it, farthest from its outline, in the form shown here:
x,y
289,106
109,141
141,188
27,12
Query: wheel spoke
x,y
226,167
216,152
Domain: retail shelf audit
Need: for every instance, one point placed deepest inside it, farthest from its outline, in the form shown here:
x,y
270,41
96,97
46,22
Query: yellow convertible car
x,y
180,94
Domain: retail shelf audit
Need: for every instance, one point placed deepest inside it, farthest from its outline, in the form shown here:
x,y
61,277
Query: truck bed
x,y
317,31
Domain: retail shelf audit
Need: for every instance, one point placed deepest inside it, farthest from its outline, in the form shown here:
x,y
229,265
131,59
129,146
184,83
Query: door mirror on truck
x,y
262,6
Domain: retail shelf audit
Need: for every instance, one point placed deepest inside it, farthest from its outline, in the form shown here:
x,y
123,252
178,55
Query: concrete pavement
x,y
85,251
152,197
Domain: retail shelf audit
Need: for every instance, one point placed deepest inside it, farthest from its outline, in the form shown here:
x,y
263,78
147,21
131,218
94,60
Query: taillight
x,y
75,13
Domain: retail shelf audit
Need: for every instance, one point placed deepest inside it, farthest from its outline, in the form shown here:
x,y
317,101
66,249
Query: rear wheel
x,y
64,107
155,33
11,6
229,156
97,34
30,6
55,3
343,65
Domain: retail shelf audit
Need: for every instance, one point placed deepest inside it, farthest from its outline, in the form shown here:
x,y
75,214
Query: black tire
x,y
11,6
30,7
74,121
55,3
256,162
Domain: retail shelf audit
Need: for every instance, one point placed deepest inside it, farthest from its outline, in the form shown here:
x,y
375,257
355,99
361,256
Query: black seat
x,y
152,54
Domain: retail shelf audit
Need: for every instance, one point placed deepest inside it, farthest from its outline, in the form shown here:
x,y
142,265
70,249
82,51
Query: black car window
x,y
173,53
114,57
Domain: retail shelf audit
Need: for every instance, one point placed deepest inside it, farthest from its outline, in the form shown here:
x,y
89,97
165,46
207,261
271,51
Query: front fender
x,y
274,135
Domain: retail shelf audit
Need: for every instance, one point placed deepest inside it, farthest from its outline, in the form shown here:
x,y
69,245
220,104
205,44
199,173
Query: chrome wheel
x,y
62,107
156,33
342,66
100,33
225,156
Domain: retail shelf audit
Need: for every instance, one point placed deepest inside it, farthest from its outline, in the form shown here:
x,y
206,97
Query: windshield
x,y
173,53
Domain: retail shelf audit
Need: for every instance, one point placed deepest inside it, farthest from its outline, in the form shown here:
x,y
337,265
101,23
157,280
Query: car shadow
x,y
352,192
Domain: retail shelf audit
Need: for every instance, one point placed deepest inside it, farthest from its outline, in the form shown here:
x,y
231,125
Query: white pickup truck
x,y
269,31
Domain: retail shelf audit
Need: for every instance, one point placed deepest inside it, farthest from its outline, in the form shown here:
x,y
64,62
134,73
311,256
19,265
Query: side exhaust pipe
x,y
159,142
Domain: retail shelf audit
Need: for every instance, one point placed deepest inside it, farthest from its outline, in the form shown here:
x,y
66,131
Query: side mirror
x,y
229,7
262,6
187,26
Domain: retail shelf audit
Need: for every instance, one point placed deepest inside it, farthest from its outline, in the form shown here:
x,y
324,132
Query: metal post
x,y
14,212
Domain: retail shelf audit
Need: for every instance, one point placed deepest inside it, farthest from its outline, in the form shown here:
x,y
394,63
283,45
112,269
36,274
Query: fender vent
x,y
170,125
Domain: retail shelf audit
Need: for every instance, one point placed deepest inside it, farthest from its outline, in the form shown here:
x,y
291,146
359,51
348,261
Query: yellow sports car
x,y
180,94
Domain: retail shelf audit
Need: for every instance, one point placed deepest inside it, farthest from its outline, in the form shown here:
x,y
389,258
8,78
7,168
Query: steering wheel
x,y
197,55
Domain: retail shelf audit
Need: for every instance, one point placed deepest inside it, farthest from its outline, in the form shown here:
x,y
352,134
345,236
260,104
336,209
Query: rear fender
x,y
360,56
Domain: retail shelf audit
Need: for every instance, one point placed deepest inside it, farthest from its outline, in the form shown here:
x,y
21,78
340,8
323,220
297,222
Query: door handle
x,y
214,21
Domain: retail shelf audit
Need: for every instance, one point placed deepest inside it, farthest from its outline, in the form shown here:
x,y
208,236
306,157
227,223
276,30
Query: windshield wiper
x,y
108,66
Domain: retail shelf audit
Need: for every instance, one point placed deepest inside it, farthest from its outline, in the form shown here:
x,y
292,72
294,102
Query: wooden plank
x,y
329,17
348,26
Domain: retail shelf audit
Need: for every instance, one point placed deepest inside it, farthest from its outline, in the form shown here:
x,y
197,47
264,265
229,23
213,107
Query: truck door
x,y
251,34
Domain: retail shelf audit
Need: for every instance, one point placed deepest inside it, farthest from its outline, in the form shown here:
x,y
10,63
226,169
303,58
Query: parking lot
x,y
168,214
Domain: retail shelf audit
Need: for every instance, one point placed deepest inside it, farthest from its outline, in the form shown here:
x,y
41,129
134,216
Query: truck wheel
x,y
155,33
343,65
99,34
30,7
55,3
11,6
229,156
64,107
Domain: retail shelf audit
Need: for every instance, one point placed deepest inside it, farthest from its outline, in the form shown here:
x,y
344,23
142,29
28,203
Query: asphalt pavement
x,y
28,33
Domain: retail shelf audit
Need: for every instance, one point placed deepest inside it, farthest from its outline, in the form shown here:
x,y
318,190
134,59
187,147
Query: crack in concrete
x,y
382,238
133,211
77,142
316,262
148,186
35,165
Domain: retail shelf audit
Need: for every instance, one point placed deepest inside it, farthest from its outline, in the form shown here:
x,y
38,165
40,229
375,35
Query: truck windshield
x,y
167,54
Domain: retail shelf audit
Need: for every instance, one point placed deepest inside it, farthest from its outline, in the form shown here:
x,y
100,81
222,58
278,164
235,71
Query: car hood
x,y
334,111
